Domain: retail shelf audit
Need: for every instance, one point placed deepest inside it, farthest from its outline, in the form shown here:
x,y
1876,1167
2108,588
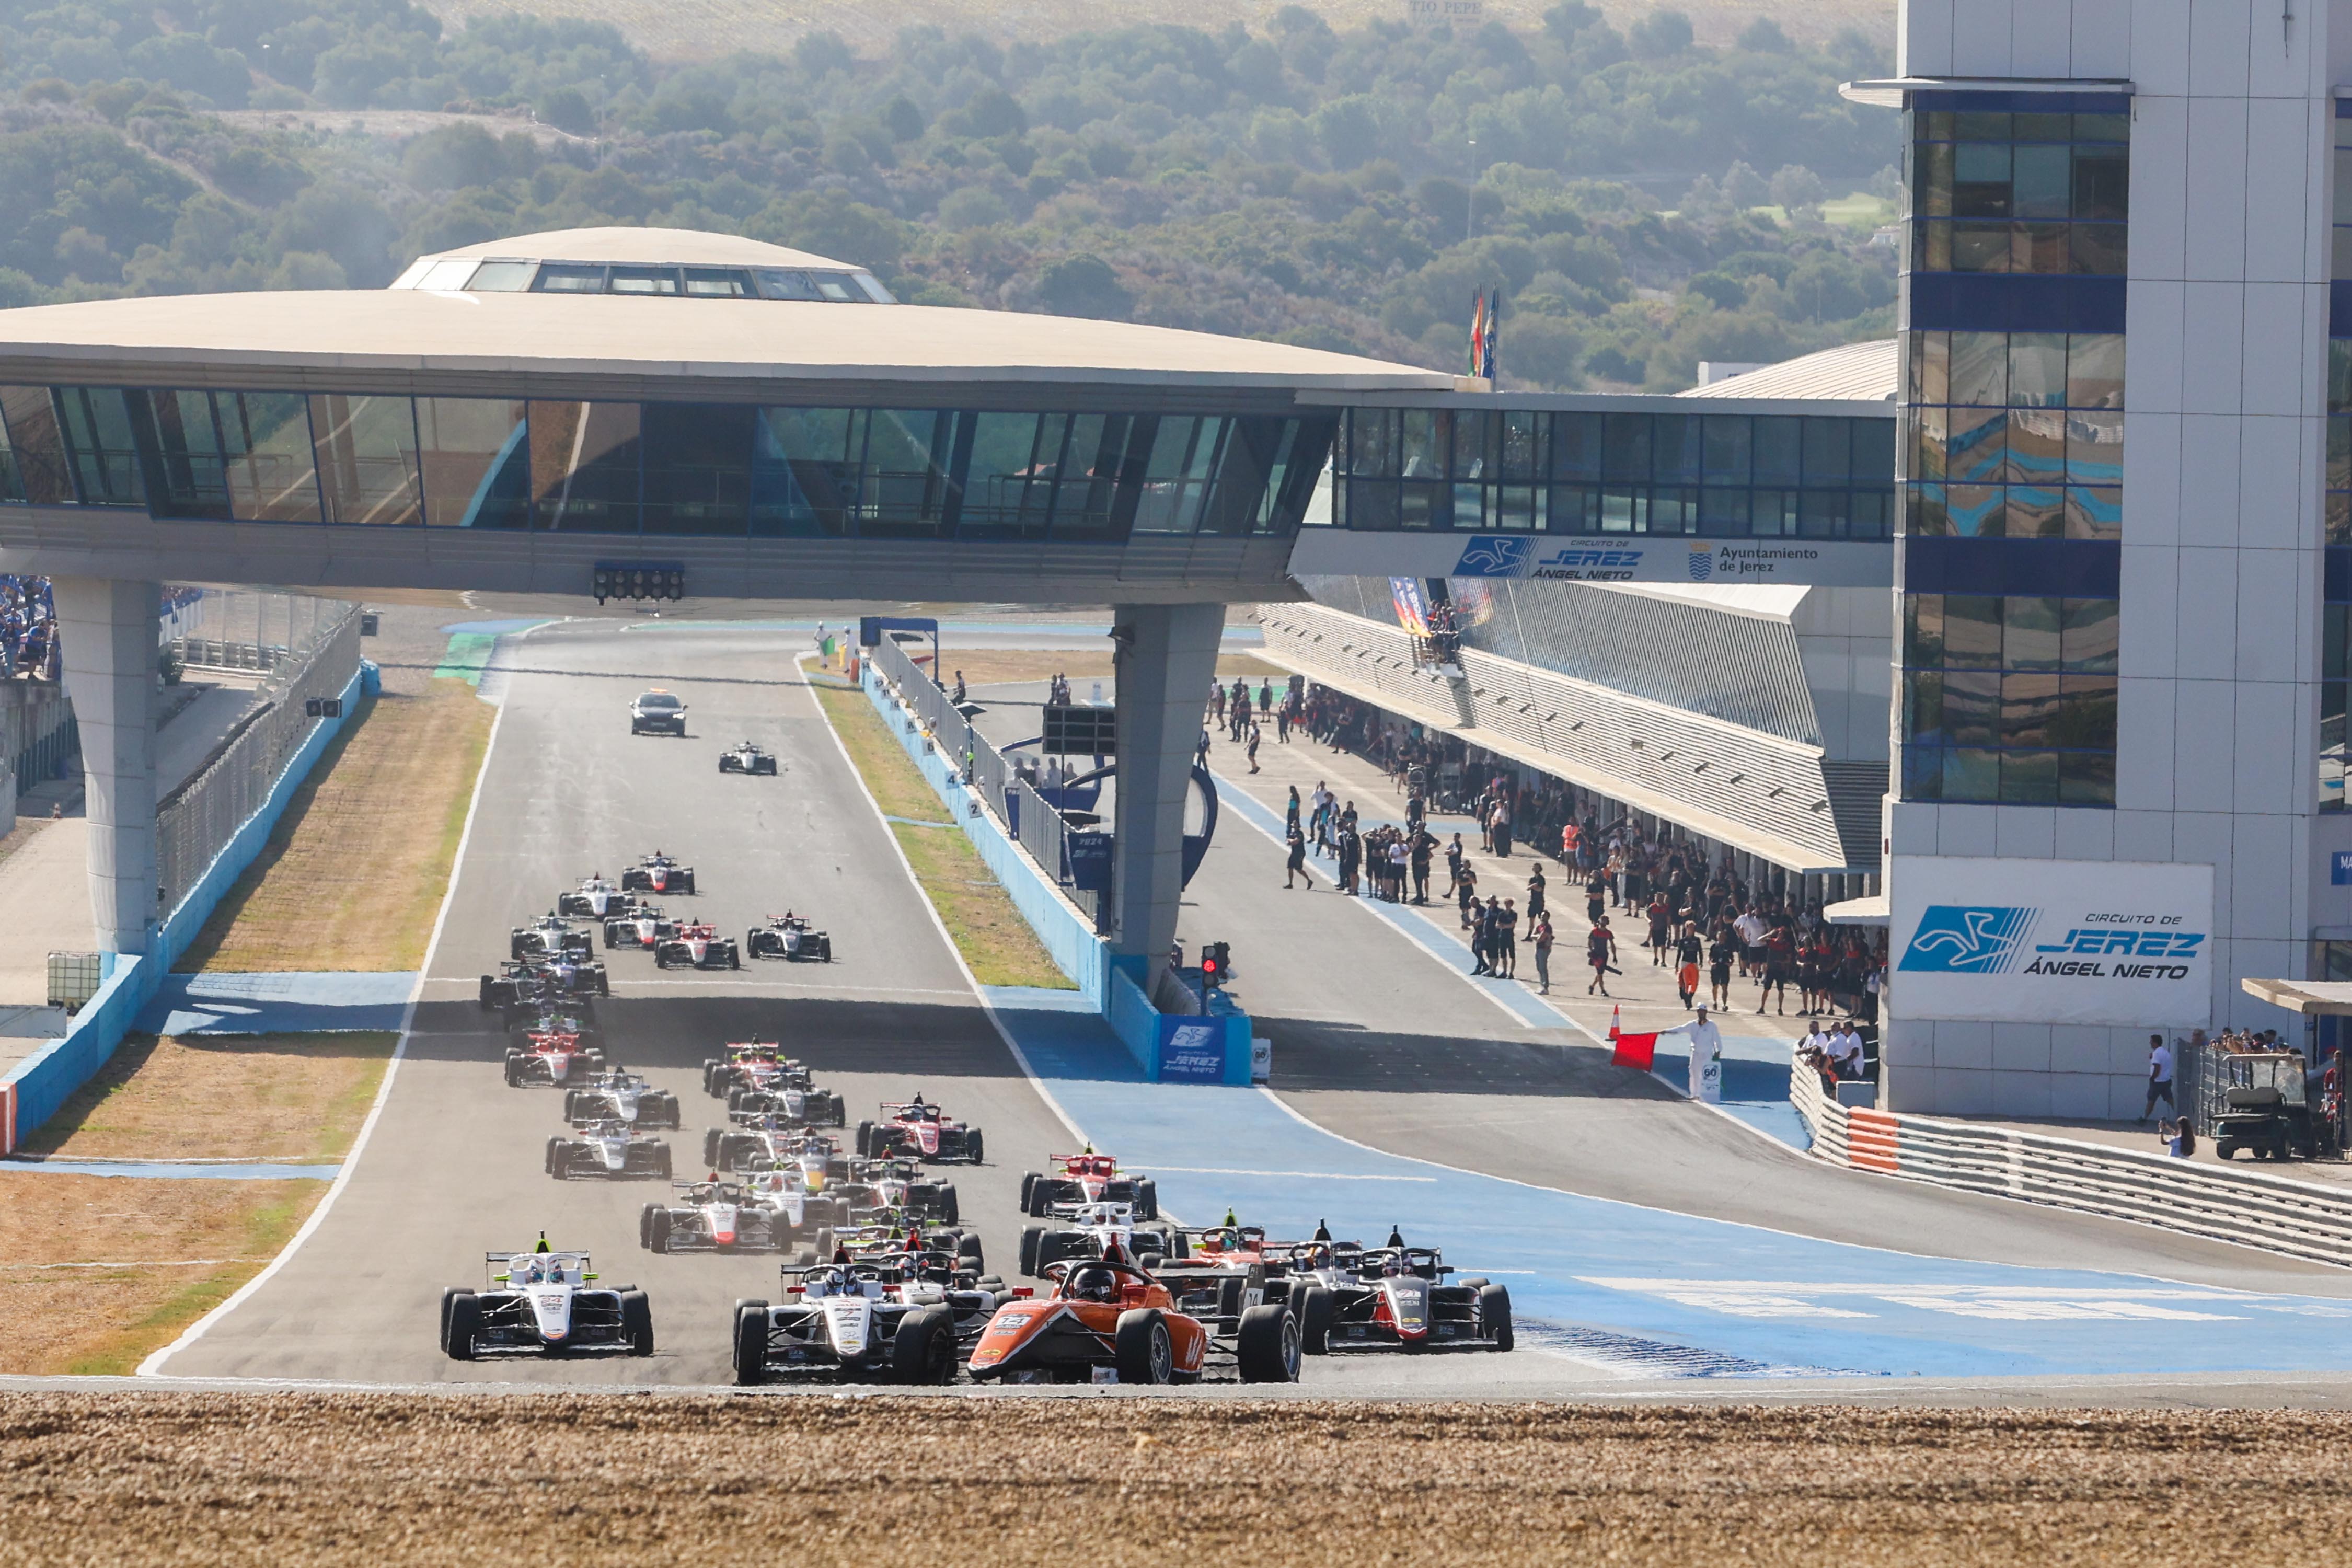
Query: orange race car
x,y
1108,1320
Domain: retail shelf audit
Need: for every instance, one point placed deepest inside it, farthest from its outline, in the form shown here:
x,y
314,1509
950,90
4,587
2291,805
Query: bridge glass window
x,y
1184,453
474,462
1009,485
585,459
367,459
36,446
806,465
697,467
906,483
226,455
105,465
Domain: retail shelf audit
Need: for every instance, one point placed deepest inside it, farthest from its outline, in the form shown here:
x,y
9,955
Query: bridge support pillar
x,y
1167,656
108,628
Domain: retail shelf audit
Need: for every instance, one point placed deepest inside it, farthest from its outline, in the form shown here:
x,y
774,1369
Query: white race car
x,y
607,1148
643,927
617,1095
596,898
544,1301
903,1318
1090,1230
791,937
726,1215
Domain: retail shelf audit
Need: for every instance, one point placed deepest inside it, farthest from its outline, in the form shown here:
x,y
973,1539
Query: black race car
x,y
537,981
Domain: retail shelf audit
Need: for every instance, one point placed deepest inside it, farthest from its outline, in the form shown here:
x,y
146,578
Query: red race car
x,y
553,1057
697,945
919,1130
1088,1178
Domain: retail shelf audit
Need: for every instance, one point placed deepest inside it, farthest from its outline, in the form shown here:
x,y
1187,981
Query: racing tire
x,y
637,1321
1039,1200
465,1321
924,1350
1475,1282
865,1139
1183,1243
823,1243
646,1226
669,1111
661,1163
1315,1304
968,1244
656,1228
1032,1239
750,1344
661,959
824,950
554,1155
734,959
712,1141
571,1104
974,1150
448,1295
1265,1346
1141,1350
840,1113
951,1211
514,1074
1147,1199
1229,1297
1149,1262
1494,1315
1028,1190
735,1099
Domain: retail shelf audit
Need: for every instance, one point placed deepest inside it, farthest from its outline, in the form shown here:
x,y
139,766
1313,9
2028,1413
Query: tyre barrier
x,y
2276,1214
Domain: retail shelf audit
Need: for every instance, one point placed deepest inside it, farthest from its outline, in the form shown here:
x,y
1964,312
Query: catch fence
x,y
1029,819
196,820
238,629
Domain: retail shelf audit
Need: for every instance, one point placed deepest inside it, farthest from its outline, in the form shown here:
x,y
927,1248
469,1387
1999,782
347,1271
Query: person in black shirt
x,y
1482,938
1422,844
1466,888
1720,955
1596,897
1352,858
1536,890
1506,957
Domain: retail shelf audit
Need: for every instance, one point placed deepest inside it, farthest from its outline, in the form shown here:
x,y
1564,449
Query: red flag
x,y
1635,1051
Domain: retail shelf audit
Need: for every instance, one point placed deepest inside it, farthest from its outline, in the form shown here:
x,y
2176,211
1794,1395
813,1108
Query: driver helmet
x,y
1094,1285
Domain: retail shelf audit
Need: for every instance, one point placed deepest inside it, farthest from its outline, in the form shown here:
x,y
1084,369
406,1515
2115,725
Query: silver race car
x,y
790,936
596,898
609,1148
746,758
617,1095
544,1302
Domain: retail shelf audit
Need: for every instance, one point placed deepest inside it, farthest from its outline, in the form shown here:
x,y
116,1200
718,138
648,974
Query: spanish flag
x,y
1478,360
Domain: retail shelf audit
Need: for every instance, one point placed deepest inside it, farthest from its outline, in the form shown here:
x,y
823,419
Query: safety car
x,y
658,713
546,1303
554,1057
617,1095
746,758
788,936
550,936
911,1127
1096,1230
658,873
643,927
596,898
608,1148
697,945
1107,1320
886,1318
1086,1178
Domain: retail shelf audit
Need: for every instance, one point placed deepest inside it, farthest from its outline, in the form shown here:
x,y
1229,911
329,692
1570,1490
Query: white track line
x,y
154,1365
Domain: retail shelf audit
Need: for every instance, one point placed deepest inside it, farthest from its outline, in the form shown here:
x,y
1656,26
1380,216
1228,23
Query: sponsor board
x,y
1191,1051
1560,558
2052,942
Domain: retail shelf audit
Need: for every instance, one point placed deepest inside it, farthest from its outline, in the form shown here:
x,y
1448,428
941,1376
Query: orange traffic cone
x,y
1614,1020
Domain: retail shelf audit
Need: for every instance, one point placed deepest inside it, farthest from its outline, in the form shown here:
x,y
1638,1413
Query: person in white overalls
x,y
1705,1056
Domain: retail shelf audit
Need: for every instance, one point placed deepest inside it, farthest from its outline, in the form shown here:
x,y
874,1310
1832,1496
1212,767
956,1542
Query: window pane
x,y
1727,456
2332,640
1576,446
1723,512
1981,180
1874,451
475,454
366,453
1972,775
1932,246
2094,370
34,436
1829,451
443,275
583,466
642,280
98,446
2030,632
2037,445
1675,448
697,467
2039,248
1975,511
1375,437
1183,456
1012,455
778,283
1923,630
2095,448
2085,718
1575,509
1087,483
1923,773
1421,448
2037,369
502,277
1929,517
2087,635
1979,446
1923,705
1932,195
2029,778
1626,443
2102,183
179,438
1473,454
1522,447
1778,451
565,278
1981,248
2094,512
2036,512
905,479
2098,249
2086,778
1980,368
719,282
1772,514
1972,632
1932,361
270,460
2027,705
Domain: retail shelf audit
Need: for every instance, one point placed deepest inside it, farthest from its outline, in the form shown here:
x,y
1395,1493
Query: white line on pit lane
x,y
1303,1175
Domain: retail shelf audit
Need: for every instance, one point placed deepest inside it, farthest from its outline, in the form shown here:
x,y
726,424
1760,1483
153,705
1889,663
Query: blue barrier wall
x,y
1113,984
48,1077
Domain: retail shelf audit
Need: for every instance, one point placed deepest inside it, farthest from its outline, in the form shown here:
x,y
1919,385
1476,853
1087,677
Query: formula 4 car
x,y
767,1141
1086,1178
607,1148
576,1019
697,945
751,1063
554,1058
1108,1320
658,873
896,1187
1398,1297
788,936
746,758
547,1302
617,1095
802,1106
716,1216
882,1318
658,713
535,981
550,936
595,898
917,1128
645,927
1095,1230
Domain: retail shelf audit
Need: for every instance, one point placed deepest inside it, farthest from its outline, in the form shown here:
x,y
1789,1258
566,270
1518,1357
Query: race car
x,y
1086,1178
788,936
534,980
554,1058
645,927
575,1018
1398,1297
550,936
1108,1319
544,1301
802,1107
917,1128
615,1096
746,758
658,873
1096,1230
882,1318
751,1063
769,1142
717,1216
608,1148
896,1187
595,898
697,945
658,713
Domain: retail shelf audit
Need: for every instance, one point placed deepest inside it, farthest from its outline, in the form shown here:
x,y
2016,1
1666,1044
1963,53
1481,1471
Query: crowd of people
x,y
28,629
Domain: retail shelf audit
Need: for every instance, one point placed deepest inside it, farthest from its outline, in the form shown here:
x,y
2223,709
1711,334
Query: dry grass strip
x,y
353,875
298,1098
978,913
304,1479
183,1247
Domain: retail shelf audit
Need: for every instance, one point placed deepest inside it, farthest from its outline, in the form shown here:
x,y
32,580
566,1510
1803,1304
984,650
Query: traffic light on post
x,y
1216,964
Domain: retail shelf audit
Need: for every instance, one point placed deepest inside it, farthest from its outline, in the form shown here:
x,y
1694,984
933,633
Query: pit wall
x,y
1166,1048
40,1084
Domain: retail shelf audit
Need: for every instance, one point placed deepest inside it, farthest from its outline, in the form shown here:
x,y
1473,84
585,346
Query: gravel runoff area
x,y
460,1478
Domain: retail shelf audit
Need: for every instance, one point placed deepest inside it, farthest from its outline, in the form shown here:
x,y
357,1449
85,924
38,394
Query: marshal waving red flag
x,y
1635,1051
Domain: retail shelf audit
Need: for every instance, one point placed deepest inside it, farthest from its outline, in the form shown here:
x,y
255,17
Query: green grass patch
x,y
278,1211
980,915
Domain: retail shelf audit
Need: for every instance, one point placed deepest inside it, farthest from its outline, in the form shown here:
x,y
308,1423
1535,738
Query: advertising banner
x,y
1412,607
1192,1050
1625,558
2051,942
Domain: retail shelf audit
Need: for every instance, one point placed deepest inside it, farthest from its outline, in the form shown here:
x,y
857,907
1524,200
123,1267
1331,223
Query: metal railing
x,y
239,629
2276,1214
1025,814
196,821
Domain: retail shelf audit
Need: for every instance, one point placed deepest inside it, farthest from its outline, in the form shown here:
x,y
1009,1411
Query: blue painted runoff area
x,y
175,1171
290,1004
43,1081
1647,1292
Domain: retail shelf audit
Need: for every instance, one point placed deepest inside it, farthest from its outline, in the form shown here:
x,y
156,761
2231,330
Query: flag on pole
x,y
1635,1051
1494,335
1477,332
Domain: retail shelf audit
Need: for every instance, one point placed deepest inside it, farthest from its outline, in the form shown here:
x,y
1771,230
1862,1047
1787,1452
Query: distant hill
x,y
696,29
